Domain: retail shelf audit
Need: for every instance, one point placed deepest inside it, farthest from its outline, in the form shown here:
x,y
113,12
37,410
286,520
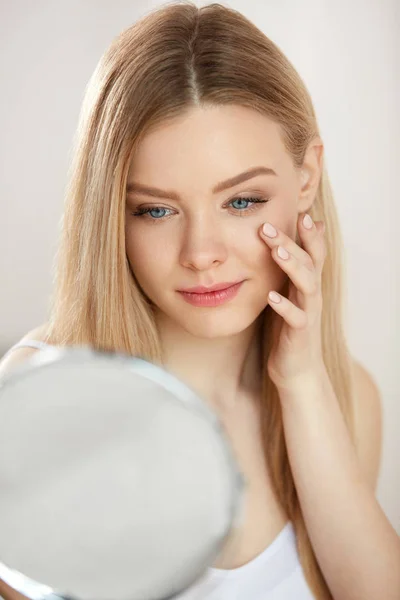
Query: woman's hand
x,y
297,355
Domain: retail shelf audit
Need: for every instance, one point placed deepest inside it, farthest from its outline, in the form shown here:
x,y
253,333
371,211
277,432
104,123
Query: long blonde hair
x,y
173,58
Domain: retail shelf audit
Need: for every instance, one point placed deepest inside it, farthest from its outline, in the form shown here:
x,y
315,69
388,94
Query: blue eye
x,y
241,210
247,200
156,210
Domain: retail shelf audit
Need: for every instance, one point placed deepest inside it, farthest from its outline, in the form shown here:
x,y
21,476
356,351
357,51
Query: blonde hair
x,y
176,57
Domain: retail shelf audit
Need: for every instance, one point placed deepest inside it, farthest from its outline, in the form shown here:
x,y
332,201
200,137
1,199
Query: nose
x,y
203,245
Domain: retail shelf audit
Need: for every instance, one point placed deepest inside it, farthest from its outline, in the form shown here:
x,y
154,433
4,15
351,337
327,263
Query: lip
x,y
212,298
201,289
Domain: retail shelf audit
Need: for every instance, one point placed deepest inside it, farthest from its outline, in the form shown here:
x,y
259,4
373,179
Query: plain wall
x,y
348,53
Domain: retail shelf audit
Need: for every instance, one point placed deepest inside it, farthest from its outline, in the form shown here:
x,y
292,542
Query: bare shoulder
x,y
20,354
368,421
9,593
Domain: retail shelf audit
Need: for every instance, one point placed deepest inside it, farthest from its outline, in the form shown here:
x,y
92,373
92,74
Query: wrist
x,y
304,385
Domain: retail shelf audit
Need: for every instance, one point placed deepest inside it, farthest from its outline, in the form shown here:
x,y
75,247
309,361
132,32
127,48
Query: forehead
x,y
207,144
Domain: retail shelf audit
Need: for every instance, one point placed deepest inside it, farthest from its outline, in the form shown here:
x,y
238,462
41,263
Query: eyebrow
x,y
133,187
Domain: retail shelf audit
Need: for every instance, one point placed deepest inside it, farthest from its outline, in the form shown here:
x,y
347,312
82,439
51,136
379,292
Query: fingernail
x,y
269,230
274,297
282,252
307,222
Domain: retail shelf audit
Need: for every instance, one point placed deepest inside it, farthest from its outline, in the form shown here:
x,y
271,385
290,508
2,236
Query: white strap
x,y
27,344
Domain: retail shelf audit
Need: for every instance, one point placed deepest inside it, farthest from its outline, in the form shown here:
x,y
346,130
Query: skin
x,y
8,593
204,239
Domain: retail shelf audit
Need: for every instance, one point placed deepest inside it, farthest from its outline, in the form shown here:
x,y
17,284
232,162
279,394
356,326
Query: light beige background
x,y
349,55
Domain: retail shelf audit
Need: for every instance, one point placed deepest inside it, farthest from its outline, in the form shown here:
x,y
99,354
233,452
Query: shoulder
x,y
20,354
8,593
368,421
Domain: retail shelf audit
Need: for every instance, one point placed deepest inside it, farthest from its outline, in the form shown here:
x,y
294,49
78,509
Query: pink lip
x,y
212,298
200,289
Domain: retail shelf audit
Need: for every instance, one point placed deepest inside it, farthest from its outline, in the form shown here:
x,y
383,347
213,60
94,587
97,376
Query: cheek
x,y
144,252
286,222
257,254
152,259
282,212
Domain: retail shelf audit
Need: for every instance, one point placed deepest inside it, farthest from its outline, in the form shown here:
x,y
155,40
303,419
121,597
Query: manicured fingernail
x,y
282,252
269,230
274,297
307,222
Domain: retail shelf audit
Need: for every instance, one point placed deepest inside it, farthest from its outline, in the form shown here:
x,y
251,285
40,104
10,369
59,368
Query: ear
x,y
310,174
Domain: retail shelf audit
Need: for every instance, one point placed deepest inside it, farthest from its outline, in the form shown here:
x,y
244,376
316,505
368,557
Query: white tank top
x,y
275,574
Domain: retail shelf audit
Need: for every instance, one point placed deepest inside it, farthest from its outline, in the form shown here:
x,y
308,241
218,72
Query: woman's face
x,y
206,236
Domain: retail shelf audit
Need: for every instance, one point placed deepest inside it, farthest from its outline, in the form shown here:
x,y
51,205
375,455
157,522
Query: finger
x,y
305,280
293,315
312,239
275,237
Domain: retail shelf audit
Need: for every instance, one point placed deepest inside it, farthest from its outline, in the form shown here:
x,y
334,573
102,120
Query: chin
x,y
215,324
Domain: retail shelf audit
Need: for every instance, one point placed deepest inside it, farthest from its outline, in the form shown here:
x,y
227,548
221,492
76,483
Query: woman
x,y
196,131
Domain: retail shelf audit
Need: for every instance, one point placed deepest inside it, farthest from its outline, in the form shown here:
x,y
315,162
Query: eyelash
x,y
144,211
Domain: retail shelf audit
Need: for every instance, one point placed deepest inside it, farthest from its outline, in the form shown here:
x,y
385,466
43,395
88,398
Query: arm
x,y
356,547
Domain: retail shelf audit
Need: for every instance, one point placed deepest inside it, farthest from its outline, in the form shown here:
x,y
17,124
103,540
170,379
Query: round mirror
x,y
116,480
